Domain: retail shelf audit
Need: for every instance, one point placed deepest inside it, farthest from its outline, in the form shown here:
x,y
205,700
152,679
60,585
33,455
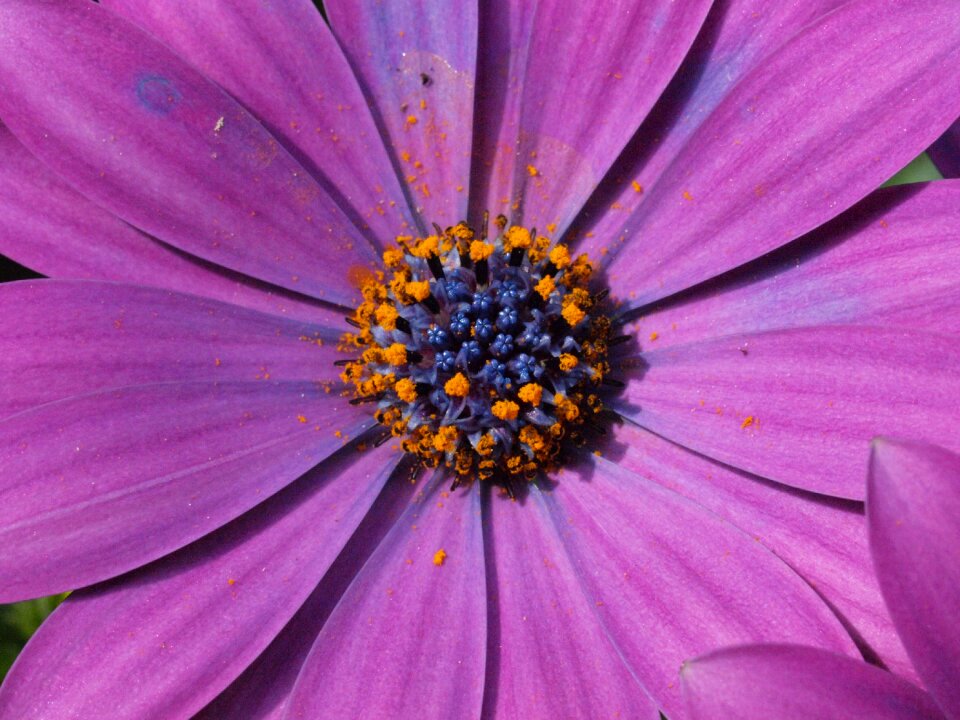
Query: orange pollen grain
x,y
418,290
545,286
568,362
396,354
531,393
457,386
406,390
480,250
505,409
439,556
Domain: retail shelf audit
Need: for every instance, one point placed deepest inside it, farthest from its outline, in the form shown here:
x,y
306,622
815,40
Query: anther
x,y
355,323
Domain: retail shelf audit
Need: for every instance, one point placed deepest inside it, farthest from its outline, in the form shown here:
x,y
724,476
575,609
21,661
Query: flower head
x,y
276,335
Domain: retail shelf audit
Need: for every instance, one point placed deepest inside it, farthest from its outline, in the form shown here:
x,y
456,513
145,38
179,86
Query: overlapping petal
x,y
823,539
799,406
546,636
416,63
591,73
263,691
48,226
412,624
99,484
888,261
913,501
795,143
670,580
797,683
280,60
734,40
62,338
182,628
135,128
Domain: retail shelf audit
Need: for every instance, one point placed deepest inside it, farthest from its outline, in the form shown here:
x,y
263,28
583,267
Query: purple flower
x,y
913,499
206,194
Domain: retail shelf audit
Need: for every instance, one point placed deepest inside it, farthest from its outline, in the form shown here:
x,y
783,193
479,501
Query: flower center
x,y
484,355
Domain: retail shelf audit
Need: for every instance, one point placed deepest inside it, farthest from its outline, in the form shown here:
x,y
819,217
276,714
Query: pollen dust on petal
x,y
439,557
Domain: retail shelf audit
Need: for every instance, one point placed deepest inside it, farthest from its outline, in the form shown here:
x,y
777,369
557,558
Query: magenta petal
x,y
51,228
163,641
913,502
800,406
264,689
99,484
945,152
550,655
410,632
791,682
671,580
820,123
62,338
890,260
136,129
593,71
281,61
416,63
734,39
823,539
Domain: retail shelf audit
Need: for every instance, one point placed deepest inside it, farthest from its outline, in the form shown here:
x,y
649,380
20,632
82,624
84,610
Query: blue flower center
x,y
483,355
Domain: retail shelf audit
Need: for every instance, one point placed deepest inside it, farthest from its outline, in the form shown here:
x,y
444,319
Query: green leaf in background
x,y
18,622
921,169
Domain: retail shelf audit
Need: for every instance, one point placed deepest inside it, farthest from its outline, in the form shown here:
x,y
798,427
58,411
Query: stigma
x,y
481,353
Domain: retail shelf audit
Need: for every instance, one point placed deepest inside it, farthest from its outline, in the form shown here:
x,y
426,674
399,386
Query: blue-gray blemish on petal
x,y
157,94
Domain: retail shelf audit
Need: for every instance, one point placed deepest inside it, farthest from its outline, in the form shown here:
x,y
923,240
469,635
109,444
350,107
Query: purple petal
x,y
163,641
550,656
136,129
280,60
734,40
411,625
945,152
64,338
49,227
670,580
817,125
913,502
800,406
416,64
264,689
888,261
824,540
593,71
790,682
99,484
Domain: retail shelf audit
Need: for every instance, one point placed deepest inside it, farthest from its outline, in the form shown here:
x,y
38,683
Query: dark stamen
x,y
436,267
343,363
516,256
355,323
483,272
619,340
431,304
366,399
414,356
602,295
382,439
613,383
403,325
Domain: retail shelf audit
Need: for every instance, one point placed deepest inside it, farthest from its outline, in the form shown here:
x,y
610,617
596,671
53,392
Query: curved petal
x,y
181,629
791,682
913,501
63,338
416,63
411,624
281,61
48,226
823,539
100,484
945,152
799,406
593,71
264,689
890,260
795,143
549,653
671,580
735,39
136,129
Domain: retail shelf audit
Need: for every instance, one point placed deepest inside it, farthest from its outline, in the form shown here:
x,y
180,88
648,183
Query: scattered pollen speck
x,y
411,119
439,556
687,196
532,171
654,335
302,418
637,187
231,581
219,126
747,422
